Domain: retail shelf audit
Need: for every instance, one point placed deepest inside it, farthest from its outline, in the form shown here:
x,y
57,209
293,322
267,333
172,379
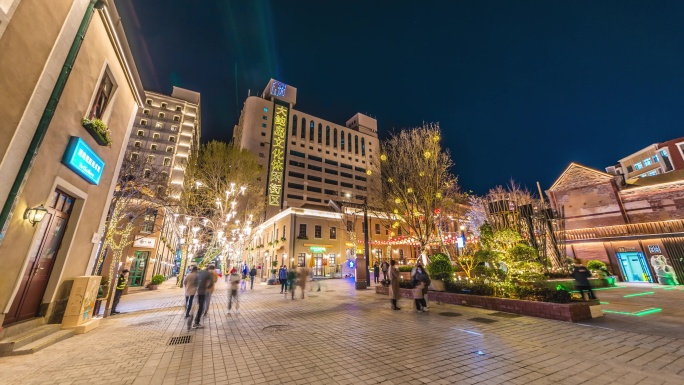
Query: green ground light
x,y
638,294
640,313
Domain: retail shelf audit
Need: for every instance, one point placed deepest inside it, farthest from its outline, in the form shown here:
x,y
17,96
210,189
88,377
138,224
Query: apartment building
x,y
656,159
306,159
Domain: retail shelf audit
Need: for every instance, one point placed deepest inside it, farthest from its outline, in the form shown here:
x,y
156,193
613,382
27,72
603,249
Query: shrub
x,y
474,288
557,274
158,279
405,268
440,268
405,284
594,265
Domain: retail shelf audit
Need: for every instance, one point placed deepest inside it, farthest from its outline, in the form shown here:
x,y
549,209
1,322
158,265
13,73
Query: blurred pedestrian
x,y
376,273
384,266
190,283
421,281
243,283
282,276
252,275
291,282
204,282
394,285
302,276
581,275
233,293
120,286
210,290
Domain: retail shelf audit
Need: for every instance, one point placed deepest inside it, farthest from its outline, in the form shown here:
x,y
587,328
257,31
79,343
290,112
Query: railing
x,y
649,228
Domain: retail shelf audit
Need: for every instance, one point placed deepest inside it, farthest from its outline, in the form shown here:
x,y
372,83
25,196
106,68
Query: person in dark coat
x,y
205,281
421,280
384,266
120,286
581,275
394,285
252,275
376,272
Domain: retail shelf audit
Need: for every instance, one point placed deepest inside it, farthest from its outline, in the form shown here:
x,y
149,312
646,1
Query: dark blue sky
x,y
520,88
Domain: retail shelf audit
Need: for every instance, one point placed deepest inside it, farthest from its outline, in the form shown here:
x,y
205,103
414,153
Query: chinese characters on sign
x,y
278,88
275,183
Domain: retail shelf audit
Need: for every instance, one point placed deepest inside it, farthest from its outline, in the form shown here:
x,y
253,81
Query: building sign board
x,y
82,160
147,242
277,159
278,88
654,249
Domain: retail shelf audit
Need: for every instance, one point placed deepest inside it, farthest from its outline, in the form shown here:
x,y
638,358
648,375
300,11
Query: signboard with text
x,y
277,158
82,160
147,242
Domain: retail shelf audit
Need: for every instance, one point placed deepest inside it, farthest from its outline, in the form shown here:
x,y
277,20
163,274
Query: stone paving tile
x,y
342,337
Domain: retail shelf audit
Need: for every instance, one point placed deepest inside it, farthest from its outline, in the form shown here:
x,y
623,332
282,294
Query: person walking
x,y
243,283
291,282
394,285
190,283
421,282
376,273
233,294
385,267
120,286
282,276
252,275
581,275
210,290
204,282
302,276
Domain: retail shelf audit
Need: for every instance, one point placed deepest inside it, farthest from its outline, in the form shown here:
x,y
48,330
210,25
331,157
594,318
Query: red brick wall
x,y
590,251
589,206
654,203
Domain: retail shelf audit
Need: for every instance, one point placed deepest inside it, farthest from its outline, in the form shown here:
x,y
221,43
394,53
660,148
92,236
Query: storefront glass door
x,y
634,267
318,265
137,273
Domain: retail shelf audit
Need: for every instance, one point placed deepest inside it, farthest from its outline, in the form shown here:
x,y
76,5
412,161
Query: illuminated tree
x,y
416,183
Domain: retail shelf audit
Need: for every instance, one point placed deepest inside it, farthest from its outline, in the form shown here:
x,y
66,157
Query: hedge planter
x,y
569,284
569,312
98,130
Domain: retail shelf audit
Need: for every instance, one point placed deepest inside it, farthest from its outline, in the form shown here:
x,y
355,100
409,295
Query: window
x,y
647,162
652,173
315,158
135,156
263,134
315,178
303,128
159,125
311,131
361,188
655,158
153,146
347,185
167,162
329,171
155,136
143,122
342,140
360,169
331,260
356,144
331,181
150,159
162,115
296,186
174,128
172,139
141,133
330,192
349,142
146,112
346,175
176,118
147,173
261,155
313,189
363,147
163,105
335,138
102,97
377,229
148,102
300,259
137,144
179,109
164,175
401,254
330,162
265,109
284,227
294,125
302,229
263,125
295,163
638,166
150,218
350,226
361,178
630,169
315,168
296,174
297,153
291,196
347,166
265,117
327,135
317,232
169,149
333,233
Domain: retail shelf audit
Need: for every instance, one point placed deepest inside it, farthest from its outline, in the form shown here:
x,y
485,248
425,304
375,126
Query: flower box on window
x,y
98,130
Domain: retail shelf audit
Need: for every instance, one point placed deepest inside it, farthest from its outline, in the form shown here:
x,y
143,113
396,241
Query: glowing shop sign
x,y
82,160
278,88
317,249
275,183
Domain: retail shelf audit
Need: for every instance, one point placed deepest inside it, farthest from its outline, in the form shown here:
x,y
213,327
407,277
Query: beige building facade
x,y
52,163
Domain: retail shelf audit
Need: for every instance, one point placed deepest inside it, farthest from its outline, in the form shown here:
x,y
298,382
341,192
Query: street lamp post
x,y
365,240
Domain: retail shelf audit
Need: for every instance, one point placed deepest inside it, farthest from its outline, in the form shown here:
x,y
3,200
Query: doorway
x,y
136,277
42,255
318,265
634,267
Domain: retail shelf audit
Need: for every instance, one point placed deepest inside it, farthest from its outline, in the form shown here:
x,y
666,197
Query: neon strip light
x,y
638,294
637,313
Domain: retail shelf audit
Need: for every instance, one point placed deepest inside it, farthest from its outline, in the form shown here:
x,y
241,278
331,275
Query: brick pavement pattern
x,y
342,336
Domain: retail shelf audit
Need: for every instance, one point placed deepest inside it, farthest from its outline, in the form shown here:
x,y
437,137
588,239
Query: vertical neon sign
x,y
277,165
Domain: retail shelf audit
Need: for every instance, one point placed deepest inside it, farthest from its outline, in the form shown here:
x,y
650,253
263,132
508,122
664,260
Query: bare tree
x,y
416,183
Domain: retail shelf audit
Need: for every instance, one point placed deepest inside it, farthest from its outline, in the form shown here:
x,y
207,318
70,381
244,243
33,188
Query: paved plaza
x,y
343,336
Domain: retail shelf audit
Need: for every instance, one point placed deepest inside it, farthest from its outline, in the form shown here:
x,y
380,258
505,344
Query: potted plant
x,y
102,291
98,130
156,281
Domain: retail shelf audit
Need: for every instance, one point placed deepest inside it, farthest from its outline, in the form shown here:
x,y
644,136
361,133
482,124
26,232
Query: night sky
x,y
520,88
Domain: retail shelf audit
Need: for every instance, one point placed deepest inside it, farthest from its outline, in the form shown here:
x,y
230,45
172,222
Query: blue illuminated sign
x,y
351,264
82,160
278,88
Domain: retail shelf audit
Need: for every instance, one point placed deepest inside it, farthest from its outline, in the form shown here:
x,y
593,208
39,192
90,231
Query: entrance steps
x,y
30,336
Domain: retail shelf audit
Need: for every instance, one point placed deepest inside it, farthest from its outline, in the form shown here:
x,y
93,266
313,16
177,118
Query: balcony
x,y
674,227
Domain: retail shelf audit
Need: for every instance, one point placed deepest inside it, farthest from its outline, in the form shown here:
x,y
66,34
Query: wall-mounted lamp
x,y
35,214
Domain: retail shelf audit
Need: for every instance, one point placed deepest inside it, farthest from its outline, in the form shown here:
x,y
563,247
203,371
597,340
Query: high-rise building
x,y
165,132
306,159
